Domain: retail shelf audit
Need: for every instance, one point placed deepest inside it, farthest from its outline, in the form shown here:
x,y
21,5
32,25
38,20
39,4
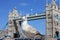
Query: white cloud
x,y
23,4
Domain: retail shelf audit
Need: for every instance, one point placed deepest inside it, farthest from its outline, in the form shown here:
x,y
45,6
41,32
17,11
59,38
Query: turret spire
x,y
46,2
53,2
59,5
15,8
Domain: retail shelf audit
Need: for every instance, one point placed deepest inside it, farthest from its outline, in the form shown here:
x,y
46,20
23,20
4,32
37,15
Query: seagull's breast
x,y
32,30
24,28
27,27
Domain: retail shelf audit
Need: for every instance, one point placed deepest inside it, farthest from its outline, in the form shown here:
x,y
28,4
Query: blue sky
x,y
23,6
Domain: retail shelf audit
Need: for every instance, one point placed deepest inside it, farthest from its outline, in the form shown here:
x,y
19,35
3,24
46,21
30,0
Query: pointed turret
x,y
15,12
47,3
59,6
53,2
15,8
54,5
10,15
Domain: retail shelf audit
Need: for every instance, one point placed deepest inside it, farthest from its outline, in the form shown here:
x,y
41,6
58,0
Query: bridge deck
x,y
33,17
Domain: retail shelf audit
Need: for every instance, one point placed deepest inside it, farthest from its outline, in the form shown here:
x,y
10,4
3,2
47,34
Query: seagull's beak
x,y
24,18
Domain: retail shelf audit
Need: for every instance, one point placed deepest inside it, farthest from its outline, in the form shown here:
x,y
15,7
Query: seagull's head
x,y
24,18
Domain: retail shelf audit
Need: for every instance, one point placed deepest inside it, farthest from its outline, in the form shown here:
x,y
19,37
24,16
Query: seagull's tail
x,y
39,34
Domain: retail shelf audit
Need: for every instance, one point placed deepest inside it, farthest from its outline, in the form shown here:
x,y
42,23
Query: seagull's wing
x,y
32,29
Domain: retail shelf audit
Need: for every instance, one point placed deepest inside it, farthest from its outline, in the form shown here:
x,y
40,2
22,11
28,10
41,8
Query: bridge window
x,y
48,14
50,17
56,23
10,22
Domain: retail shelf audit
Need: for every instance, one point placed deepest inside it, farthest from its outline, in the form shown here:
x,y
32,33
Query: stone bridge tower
x,y
13,26
52,23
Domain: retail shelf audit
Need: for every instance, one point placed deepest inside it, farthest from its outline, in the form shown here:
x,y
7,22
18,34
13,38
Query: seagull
x,y
28,30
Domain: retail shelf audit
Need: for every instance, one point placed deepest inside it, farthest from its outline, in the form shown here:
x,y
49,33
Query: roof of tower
x,y
15,8
53,2
46,2
59,5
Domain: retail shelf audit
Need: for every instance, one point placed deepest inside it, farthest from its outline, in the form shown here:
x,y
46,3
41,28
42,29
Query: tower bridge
x,y
32,17
52,24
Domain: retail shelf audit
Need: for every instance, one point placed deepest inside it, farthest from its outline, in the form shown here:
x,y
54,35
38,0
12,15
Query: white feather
x,y
27,27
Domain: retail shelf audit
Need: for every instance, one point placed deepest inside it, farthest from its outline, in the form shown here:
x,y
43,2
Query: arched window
x,y
10,22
